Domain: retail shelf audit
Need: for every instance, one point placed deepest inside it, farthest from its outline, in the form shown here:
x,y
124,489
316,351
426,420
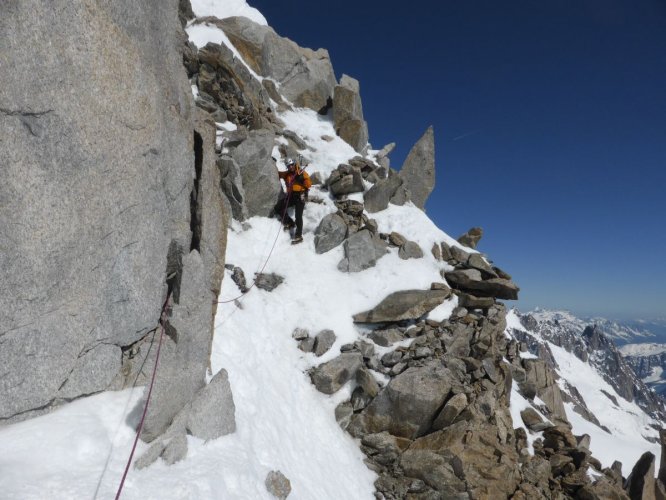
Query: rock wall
x,y
101,210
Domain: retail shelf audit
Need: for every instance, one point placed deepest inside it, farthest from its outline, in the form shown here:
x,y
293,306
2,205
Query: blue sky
x,y
550,130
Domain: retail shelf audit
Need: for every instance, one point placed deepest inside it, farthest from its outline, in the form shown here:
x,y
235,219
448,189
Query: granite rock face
x,y
305,76
102,192
348,113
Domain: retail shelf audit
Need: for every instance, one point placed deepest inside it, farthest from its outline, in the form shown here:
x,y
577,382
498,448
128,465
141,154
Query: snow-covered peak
x,y
650,349
617,330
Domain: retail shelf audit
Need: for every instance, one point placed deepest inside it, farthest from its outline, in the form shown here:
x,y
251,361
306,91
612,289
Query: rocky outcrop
x,y
471,238
362,251
109,199
345,180
418,171
592,346
471,281
408,304
305,76
377,198
330,232
258,171
348,114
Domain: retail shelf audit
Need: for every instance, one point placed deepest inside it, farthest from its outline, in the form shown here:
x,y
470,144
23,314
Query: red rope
x,y
284,213
150,391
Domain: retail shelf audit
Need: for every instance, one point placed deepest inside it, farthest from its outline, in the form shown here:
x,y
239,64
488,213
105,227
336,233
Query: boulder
x,y
329,377
362,250
410,250
348,114
278,485
418,171
407,406
226,82
305,76
330,232
471,302
407,304
345,180
268,281
300,334
436,471
541,376
377,198
471,238
324,340
258,170
476,261
469,282
307,345
212,412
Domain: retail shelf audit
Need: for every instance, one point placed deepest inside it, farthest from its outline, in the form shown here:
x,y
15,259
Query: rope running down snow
x,y
284,214
150,391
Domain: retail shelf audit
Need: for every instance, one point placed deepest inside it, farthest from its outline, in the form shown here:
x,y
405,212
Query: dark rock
x,y
640,484
268,281
471,238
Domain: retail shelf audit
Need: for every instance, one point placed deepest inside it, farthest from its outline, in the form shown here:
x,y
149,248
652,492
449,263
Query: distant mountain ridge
x,y
621,331
594,343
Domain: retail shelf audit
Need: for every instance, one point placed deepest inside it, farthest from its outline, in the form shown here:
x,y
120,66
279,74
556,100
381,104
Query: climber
x,y
298,183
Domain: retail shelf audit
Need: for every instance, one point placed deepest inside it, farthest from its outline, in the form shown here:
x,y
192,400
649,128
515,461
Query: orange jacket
x,y
297,181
